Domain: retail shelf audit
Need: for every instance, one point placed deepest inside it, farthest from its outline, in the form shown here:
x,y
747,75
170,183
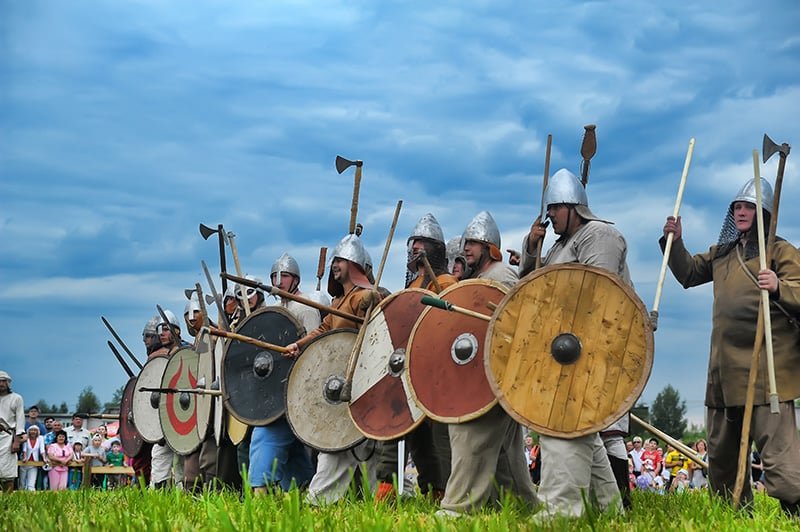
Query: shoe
x,y
448,514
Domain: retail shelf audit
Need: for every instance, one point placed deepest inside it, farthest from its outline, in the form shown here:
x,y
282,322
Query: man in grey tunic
x,y
574,470
488,451
12,413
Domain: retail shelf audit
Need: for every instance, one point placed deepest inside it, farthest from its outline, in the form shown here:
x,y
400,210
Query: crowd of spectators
x,y
53,457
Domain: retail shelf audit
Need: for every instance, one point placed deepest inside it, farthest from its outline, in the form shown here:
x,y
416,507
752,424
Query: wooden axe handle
x,y
323,253
429,270
544,189
354,204
247,339
235,253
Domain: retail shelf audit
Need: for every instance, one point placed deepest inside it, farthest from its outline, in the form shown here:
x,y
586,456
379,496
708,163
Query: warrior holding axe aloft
x,y
747,274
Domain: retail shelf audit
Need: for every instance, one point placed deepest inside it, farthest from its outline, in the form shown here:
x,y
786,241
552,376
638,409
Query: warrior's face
x,y
473,250
285,282
340,268
4,387
744,213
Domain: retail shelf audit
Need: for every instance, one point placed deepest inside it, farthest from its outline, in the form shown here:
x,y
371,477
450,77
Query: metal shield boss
x,y
315,413
253,378
569,350
145,404
177,412
128,434
445,355
381,404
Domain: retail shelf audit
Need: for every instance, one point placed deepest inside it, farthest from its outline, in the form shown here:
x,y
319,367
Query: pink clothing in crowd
x,y
59,456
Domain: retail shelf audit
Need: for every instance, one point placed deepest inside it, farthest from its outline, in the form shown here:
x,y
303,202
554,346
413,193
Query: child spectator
x,y
117,459
97,455
60,454
76,471
680,482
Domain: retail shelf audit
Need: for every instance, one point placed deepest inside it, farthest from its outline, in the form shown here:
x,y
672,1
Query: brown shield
x,y
317,417
381,404
254,378
145,404
569,350
177,412
131,439
445,355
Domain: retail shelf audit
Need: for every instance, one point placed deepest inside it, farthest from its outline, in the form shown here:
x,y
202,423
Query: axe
x,y
769,148
343,164
188,292
588,149
323,253
446,305
206,232
223,318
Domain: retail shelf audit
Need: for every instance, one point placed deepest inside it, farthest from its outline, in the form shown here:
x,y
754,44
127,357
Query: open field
x,y
134,509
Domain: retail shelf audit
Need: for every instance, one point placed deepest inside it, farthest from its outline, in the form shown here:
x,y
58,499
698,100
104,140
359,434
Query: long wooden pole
x,y
235,252
668,247
247,339
682,447
543,206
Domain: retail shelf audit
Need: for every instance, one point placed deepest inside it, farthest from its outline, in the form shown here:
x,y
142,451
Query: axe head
x,y
343,164
189,292
769,148
589,145
206,231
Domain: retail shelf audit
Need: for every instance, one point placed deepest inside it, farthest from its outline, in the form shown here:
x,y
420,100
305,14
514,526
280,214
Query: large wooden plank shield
x,y
569,350
381,405
145,404
315,413
177,412
128,434
205,380
445,355
253,378
218,408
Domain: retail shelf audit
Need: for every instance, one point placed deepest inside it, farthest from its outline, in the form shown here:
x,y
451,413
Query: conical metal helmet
x,y
249,290
285,263
748,193
151,327
192,305
170,318
427,227
350,248
482,228
565,187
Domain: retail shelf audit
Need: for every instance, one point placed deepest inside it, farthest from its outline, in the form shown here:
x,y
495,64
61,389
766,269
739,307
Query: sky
x,y
126,124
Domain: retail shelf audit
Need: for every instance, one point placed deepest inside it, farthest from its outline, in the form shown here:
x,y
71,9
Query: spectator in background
x,y
60,455
697,474
33,419
653,454
674,461
76,470
680,481
636,455
646,480
77,433
97,455
32,451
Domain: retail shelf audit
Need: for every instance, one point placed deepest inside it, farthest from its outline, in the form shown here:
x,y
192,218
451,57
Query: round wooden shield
x,y
315,413
381,405
128,434
178,411
145,404
205,381
254,379
569,350
445,354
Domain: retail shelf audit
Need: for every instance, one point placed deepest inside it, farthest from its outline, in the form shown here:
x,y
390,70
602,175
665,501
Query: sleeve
x,y
19,412
324,326
527,261
51,451
689,270
786,264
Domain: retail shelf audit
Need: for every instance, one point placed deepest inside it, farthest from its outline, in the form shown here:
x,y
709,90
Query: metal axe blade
x,y
188,292
769,148
343,164
206,231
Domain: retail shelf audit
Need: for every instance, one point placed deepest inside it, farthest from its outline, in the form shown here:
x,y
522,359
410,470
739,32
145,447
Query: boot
x,y
792,509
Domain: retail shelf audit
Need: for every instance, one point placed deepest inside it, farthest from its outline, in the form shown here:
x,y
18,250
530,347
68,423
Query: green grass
x,y
137,509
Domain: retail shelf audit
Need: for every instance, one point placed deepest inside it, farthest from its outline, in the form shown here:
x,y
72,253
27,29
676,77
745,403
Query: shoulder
x,y
598,229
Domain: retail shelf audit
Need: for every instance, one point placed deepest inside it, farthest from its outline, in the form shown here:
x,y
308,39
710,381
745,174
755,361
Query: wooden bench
x,y
88,470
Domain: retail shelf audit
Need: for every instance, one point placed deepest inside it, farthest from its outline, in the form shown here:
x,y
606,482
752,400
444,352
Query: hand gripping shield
x,y
569,350
253,378
381,404
313,408
445,355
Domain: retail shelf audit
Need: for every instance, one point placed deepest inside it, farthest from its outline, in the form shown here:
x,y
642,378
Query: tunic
x,y
12,410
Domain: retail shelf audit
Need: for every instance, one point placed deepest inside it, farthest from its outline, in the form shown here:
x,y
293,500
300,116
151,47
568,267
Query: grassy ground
x,y
136,509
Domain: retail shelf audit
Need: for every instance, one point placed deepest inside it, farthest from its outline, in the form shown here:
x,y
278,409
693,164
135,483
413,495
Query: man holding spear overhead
x,y
575,468
733,266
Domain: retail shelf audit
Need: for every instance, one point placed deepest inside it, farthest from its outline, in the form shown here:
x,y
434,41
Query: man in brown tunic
x,y
733,266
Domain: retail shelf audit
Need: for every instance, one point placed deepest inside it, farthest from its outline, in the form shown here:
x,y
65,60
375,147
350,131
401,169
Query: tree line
x,y
87,402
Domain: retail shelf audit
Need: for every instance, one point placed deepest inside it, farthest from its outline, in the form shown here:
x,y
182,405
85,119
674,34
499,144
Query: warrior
x,y
428,444
12,428
277,457
150,335
486,451
353,293
733,266
456,263
585,239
